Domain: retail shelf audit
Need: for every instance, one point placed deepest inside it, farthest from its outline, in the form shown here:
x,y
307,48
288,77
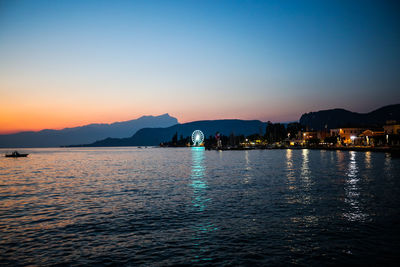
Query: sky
x,y
71,63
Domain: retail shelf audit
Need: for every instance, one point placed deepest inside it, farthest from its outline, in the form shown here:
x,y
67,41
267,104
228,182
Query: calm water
x,y
157,206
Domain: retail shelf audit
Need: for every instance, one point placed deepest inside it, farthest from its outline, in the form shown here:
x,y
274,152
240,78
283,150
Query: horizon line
x,y
110,123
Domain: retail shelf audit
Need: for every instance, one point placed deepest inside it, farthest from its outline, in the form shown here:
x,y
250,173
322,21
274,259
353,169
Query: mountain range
x,y
155,136
337,118
153,130
84,134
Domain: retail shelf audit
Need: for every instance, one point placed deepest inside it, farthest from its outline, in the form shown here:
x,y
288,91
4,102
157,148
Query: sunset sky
x,y
70,63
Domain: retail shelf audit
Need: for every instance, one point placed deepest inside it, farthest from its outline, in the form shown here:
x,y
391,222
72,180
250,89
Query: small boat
x,y
16,154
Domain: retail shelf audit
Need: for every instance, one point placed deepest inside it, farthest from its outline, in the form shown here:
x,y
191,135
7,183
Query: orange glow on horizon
x,y
17,115
36,120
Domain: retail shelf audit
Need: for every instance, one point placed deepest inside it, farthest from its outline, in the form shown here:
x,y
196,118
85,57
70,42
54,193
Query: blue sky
x,y
102,61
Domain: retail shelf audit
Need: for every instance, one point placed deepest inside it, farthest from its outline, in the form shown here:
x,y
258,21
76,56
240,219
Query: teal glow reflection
x,y
198,184
199,201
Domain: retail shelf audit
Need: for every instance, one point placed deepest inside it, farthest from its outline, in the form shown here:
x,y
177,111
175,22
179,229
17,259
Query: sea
x,y
133,206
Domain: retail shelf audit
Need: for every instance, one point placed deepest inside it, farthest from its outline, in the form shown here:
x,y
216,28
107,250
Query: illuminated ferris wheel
x,y
197,137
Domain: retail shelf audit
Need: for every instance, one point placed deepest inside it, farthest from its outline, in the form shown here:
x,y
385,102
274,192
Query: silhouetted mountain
x,y
155,136
336,118
84,134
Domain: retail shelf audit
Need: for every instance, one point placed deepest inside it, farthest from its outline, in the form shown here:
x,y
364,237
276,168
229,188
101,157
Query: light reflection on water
x,y
200,200
305,170
247,170
198,182
165,207
306,177
388,162
290,173
355,210
341,163
368,160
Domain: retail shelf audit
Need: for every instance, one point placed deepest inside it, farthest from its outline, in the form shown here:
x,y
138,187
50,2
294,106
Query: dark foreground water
x,y
154,206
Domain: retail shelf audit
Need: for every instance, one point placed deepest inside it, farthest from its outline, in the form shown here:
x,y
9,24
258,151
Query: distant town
x,y
295,135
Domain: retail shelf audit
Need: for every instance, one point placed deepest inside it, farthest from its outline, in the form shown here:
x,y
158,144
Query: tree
x,y
275,132
175,139
293,130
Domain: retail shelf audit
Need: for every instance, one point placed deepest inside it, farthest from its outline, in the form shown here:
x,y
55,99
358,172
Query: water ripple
x,y
158,207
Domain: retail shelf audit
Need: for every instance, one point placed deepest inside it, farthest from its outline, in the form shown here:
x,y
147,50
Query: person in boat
x,y
15,153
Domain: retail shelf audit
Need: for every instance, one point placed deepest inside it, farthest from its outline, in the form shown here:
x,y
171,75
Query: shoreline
x,y
392,150
395,151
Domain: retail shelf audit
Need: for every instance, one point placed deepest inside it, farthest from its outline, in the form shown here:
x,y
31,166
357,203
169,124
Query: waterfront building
x,y
347,135
371,138
391,127
321,135
309,135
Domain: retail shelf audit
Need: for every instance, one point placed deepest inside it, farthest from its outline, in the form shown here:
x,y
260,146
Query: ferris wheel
x,y
197,137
